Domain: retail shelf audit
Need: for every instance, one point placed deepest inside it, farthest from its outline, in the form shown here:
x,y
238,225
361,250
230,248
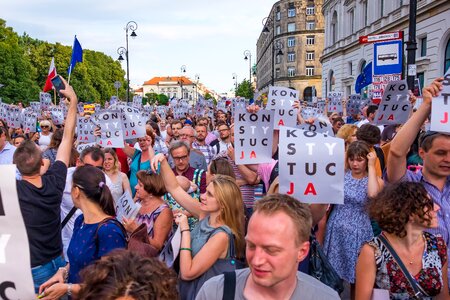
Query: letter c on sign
x,y
5,285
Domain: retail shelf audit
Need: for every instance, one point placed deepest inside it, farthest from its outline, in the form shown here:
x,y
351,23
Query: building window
x,y
278,14
350,68
278,59
331,82
423,46
334,28
310,10
309,71
310,40
381,8
291,12
310,25
421,77
291,56
291,71
447,57
310,55
277,73
365,14
291,27
352,20
278,30
291,41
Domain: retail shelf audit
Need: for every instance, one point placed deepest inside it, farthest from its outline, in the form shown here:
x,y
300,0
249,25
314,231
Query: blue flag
x,y
77,55
364,79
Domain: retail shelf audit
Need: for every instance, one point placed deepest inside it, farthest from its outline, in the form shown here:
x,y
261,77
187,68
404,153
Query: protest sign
x,y
46,100
110,128
13,116
171,250
3,111
126,207
440,107
80,107
81,147
237,103
85,130
335,102
133,122
309,112
394,107
253,136
320,124
57,114
16,281
311,166
113,100
321,106
353,104
36,107
29,121
281,100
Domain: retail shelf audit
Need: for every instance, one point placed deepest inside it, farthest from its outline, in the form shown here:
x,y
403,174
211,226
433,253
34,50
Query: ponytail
x,y
106,201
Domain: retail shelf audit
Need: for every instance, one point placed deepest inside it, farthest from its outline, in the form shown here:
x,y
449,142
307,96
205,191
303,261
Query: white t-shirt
x,y
44,141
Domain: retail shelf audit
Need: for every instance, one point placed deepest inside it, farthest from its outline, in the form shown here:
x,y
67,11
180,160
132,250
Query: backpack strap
x,y
380,156
104,221
68,216
229,285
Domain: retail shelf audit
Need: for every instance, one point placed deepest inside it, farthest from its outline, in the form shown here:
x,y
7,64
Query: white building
x,y
346,20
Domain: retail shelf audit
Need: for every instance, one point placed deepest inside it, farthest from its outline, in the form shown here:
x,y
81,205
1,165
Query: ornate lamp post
x,y
248,56
124,51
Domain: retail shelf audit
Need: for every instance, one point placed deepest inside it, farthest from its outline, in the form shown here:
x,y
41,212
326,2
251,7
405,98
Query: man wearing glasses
x,y
196,158
434,149
224,140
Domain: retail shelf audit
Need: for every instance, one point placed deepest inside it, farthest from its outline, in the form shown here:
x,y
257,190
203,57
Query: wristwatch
x,y
69,289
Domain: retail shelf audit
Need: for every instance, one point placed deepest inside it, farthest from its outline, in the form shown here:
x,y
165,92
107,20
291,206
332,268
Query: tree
x,y
152,97
163,99
208,96
245,89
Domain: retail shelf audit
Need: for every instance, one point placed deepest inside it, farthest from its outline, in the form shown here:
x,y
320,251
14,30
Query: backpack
x,y
380,155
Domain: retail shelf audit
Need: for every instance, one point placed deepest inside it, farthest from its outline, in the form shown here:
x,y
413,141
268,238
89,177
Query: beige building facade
x,y
289,48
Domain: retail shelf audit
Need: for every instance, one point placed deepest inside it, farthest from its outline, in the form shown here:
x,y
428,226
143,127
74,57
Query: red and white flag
x,y
51,73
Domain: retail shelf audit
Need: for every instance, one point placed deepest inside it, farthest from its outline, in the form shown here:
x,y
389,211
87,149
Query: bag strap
x,y
68,216
229,285
104,221
415,286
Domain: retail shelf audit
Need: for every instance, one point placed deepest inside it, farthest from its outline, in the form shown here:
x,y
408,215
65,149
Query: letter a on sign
x,y
310,189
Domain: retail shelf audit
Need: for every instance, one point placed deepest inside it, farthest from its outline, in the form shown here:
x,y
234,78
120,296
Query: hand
x,y
230,152
97,131
181,220
371,158
57,278
253,108
68,91
297,105
157,161
55,291
432,90
130,225
412,98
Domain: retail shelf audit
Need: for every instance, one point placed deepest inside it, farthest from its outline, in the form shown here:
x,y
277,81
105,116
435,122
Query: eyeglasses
x,y
180,158
98,167
414,168
186,135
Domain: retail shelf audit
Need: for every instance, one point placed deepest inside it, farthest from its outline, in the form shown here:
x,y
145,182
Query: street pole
x,y
411,44
121,51
183,70
248,55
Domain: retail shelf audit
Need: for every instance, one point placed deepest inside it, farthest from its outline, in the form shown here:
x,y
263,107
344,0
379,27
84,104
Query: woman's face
x,y
352,138
18,141
141,193
145,142
108,164
45,129
358,165
433,216
208,202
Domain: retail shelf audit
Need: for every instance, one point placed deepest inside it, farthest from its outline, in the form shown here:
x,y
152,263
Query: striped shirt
x,y
208,151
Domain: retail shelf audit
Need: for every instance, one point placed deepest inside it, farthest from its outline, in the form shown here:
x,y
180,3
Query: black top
x,y
41,213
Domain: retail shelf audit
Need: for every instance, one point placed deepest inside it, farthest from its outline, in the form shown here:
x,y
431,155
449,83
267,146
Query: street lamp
x,y
278,45
248,55
197,79
235,81
183,71
124,51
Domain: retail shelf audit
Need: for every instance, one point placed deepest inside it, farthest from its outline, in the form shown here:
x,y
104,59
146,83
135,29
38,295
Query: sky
x,y
208,37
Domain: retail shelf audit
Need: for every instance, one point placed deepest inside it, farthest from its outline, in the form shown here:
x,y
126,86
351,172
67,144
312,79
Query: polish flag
x,y
51,73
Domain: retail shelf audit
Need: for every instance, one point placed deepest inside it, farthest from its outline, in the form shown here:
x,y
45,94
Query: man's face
x,y
87,160
187,135
181,159
272,251
201,133
176,129
2,140
222,117
436,161
224,132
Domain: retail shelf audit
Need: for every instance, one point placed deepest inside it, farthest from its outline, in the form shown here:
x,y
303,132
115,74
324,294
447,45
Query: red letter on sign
x,y
242,155
281,122
445,118
310,189
391,117
291,189
253,154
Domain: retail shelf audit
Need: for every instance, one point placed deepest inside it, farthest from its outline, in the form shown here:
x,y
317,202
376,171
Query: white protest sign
x,y
253,136
309,112
281,100
113,100
110,128
440,107
57,114
16,281
321,106
13,118
320,125
45,100
394,107
237,103
126,207
3,111
335,102
311,166
353,104
81,147
133,122
171,250
85,130
29,121
80,107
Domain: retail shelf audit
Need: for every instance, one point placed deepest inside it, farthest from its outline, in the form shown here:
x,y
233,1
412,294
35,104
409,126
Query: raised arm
x,y
396,164
375,184
65,147
172,186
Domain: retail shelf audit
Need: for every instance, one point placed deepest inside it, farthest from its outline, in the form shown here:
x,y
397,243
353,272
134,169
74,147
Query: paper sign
x,y
440,111
171,250
45,100
253,136
16,281
113,100
110,125
85,130
281,99
320,125
57,114
394,107
81,147
89,108
13,118
29,121
236,104
311,166
133,122
353,104
126,207
137,101
335,102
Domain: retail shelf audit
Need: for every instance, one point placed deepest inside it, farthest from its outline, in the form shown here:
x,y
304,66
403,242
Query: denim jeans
x,y
44,272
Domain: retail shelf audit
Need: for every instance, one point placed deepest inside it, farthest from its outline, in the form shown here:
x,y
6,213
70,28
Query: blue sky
x,y
209,37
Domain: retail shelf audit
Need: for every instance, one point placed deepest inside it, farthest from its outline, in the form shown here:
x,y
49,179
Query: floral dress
x,y
390,277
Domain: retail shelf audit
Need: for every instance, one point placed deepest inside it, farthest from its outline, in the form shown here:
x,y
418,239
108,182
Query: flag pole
x,y
70,72
54,95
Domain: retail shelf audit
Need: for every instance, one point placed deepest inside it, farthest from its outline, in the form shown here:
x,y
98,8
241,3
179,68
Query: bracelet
x,y
185,230
69,289
187,249
66,272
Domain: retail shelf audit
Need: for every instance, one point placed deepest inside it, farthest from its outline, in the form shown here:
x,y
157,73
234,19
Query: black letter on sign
x,y
2,210
328,169
4,286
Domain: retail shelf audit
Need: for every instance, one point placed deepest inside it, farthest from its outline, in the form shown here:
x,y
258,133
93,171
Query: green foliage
x,y
151,97
24,64
245,89
163,99
208,96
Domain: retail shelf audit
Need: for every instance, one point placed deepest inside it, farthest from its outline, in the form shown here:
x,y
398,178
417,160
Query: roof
x,y
139,90
156,80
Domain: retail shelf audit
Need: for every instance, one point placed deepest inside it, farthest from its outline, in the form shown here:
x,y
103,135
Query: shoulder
x,y
213,287
110,227
137,153
308,285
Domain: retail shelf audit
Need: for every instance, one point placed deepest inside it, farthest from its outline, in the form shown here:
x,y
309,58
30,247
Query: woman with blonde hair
x,y
208,250
119,180
348,133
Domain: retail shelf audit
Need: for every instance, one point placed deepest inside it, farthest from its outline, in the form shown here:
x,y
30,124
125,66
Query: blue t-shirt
x,y
135,166
82,248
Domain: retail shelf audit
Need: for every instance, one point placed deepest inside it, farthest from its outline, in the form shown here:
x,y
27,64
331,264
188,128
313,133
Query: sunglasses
x,y
45,126
98,167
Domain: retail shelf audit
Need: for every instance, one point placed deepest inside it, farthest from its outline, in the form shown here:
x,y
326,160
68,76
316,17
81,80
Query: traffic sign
x,y
380,37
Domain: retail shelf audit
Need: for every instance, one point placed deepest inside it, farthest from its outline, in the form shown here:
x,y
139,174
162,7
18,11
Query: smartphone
x,y
58,84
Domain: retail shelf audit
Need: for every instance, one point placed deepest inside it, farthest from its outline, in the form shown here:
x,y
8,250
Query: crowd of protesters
x,y
390,234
